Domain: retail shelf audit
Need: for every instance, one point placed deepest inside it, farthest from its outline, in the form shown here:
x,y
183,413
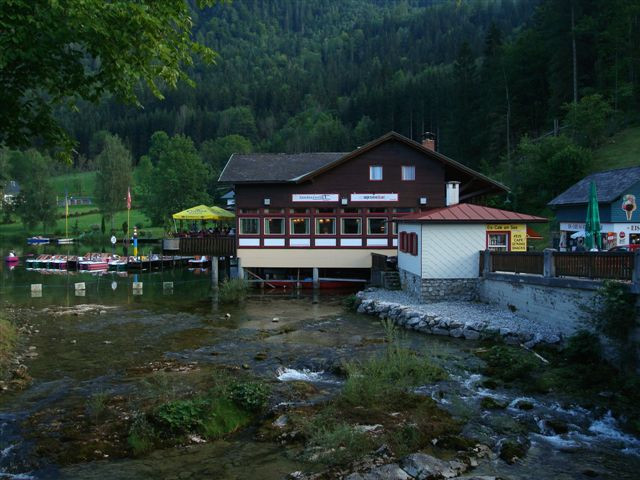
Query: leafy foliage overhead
x,y
58,51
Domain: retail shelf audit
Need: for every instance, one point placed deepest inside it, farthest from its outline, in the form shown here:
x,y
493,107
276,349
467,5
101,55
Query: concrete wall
x,y
536,301
309,257
406,261
452,250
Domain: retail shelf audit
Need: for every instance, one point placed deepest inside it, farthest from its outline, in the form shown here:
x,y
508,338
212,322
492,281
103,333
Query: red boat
x,y
11,259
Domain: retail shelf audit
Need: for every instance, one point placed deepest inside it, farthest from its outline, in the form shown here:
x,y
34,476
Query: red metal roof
x,y
467,212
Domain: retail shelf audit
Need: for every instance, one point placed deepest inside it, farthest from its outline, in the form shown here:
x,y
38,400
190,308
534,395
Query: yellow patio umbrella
x,y
224,214
201,212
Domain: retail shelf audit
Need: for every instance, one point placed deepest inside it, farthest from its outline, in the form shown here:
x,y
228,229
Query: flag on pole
x,y
129,198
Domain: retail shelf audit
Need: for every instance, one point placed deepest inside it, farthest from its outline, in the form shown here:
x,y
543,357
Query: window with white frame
x,y
408,172
377,226
375,172
249,226
325,226
351,226
498,242
299,226
274,226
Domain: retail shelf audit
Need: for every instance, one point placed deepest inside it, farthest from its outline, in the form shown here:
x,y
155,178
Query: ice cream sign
x,y
629,205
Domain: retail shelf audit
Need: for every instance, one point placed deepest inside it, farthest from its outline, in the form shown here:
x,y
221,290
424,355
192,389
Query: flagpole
x,y
66,214
128,212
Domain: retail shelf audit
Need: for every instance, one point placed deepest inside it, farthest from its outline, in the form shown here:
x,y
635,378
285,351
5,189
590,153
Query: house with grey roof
x,y
10,191
618,191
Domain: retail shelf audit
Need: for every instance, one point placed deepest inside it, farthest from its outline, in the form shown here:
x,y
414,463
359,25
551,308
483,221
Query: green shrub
x,y
142,436
373,381
583,348
182,416
8,342
97,405
508,364
224,417
251,396
351,302
338,444
233,291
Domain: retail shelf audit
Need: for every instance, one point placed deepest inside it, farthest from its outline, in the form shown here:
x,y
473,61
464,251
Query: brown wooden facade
x,y
269,213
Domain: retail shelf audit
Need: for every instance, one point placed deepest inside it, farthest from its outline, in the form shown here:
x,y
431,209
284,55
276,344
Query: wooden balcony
x,y
220,246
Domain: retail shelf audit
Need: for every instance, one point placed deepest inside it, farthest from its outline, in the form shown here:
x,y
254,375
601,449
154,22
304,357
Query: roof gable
x,y
466,212
448,162
301,167
610,184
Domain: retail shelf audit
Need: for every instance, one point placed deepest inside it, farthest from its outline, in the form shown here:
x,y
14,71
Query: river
x,y
113,351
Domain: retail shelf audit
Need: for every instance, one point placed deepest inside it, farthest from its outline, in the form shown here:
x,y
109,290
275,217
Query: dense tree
x,y
544,169
178,181
54,53
215,153
36,202
588,120
113,177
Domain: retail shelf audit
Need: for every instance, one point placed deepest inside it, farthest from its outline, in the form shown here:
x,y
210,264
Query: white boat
x,y
65,241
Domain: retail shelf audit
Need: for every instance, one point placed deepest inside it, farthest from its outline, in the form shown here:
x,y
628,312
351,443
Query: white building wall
x,y
451,250
406,261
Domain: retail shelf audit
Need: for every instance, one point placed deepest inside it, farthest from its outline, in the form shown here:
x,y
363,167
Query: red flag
x,y
128,198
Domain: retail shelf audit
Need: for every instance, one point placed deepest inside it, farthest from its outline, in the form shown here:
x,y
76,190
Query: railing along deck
x,y
612,265
518,262
591,265
221,246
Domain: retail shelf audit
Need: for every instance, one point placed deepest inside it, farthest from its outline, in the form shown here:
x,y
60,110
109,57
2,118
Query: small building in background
x,y
619,216
439,250
10,191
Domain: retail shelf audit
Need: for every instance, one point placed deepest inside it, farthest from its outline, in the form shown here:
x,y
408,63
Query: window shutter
x,y
403,241
414,244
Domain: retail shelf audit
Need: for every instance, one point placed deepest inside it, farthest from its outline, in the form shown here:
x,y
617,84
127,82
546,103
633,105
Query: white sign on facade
x,y
374,197
315,197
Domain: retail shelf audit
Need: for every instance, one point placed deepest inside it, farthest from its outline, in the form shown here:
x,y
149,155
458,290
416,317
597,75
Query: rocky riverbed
x,y
468,320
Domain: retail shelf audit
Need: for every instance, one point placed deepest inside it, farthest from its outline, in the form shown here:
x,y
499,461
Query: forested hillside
x,y
297,75
486,76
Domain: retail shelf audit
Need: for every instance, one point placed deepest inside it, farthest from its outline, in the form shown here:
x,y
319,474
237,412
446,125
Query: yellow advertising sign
x,y
518,235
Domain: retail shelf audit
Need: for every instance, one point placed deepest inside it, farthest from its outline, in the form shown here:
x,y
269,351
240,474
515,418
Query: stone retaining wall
x,y
439,289
411,319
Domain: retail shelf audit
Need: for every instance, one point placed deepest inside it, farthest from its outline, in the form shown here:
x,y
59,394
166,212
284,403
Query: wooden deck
x,y
220,246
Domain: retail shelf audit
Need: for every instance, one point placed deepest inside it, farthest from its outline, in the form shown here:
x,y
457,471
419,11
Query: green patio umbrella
x,y
592,225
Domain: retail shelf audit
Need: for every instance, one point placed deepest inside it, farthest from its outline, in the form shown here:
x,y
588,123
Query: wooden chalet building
x,y
324,214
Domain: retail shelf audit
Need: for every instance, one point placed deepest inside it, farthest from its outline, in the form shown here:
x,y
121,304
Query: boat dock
x,y
101,262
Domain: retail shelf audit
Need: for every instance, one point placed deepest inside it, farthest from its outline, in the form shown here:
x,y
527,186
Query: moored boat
x,y
11,259
65,241
38,240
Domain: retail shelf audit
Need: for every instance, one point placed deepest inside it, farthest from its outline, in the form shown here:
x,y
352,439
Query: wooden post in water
x,y
316,278
214,273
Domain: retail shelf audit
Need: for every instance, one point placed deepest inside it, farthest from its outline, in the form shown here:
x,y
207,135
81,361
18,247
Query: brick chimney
x,y
429,141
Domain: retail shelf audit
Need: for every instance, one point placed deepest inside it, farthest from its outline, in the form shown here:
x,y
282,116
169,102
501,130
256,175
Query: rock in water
x,y
423,466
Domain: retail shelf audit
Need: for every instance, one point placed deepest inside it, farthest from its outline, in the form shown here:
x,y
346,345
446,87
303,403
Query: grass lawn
x,y
87,223
80,184
622,150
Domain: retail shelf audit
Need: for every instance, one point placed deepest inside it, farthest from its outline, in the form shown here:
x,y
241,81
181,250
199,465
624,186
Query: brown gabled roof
x,y
467,212
274,167
300,167
448,162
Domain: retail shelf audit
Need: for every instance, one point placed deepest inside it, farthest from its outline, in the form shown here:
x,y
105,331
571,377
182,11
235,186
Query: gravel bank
x,y
470,320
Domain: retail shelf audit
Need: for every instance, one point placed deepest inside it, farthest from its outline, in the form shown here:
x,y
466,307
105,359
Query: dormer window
x,y
375,173
408,172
